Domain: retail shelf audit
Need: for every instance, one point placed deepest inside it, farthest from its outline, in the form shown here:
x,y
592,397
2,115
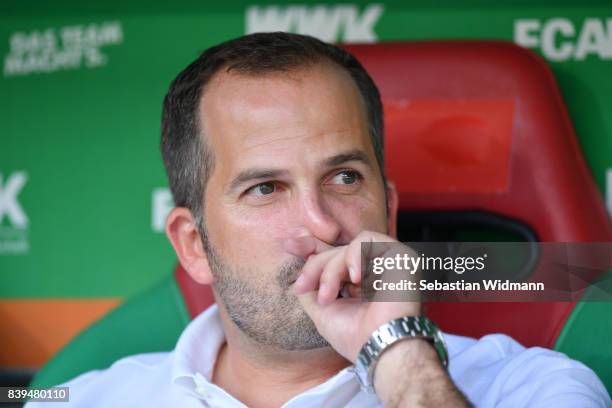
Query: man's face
x,y
293,157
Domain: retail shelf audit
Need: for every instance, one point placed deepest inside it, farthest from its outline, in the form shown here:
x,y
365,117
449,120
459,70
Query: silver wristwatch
x,y
389,333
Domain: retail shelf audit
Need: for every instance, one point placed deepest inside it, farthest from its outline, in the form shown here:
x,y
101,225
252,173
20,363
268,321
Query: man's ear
x,y
182,231
392,205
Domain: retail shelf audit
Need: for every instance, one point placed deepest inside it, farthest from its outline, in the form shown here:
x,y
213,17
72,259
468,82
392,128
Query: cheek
x,y
250,237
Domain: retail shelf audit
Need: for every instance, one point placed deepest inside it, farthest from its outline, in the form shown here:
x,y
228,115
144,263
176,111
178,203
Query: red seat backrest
x,y
480,125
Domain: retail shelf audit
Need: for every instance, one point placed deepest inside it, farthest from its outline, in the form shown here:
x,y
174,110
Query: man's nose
x,y
318,219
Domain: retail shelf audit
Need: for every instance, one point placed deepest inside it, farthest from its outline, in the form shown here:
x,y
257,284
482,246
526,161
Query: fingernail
x,y
352,274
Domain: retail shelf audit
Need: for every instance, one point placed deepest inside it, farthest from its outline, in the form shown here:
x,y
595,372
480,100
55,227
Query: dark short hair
x,y
187,159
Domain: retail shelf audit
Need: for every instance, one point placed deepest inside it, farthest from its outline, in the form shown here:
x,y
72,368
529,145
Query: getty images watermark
x,y
486,271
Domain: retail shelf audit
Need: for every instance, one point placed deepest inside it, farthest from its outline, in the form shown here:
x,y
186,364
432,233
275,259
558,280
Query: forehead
x,y
250,117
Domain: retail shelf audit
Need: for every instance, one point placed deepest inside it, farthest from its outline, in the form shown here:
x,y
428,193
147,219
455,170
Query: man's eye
x,y
346,177
262,189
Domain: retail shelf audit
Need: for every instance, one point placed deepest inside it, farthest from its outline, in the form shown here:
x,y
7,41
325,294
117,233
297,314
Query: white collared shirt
x,y
494,371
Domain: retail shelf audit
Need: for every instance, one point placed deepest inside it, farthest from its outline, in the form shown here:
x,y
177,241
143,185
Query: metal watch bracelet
x,y
407,327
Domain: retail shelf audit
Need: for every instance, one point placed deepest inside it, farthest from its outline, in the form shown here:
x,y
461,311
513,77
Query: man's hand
x,y
345,322
409,374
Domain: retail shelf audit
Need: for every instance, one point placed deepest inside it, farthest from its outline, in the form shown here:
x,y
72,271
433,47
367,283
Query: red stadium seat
x,y
494,135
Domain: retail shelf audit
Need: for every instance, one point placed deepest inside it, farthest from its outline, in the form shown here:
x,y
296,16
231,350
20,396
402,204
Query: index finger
x,y
305,246
354,254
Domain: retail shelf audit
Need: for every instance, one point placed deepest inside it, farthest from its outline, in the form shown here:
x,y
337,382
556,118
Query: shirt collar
x,y
197,347
196,352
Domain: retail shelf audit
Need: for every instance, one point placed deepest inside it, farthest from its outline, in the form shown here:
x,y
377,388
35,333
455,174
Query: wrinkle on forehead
x,y
256,140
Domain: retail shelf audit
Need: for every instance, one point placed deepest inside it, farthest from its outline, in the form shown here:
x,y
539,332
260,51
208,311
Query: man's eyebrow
x,y
254,174
352,155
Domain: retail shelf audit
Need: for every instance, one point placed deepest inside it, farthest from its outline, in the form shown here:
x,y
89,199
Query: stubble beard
x,y
264,310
